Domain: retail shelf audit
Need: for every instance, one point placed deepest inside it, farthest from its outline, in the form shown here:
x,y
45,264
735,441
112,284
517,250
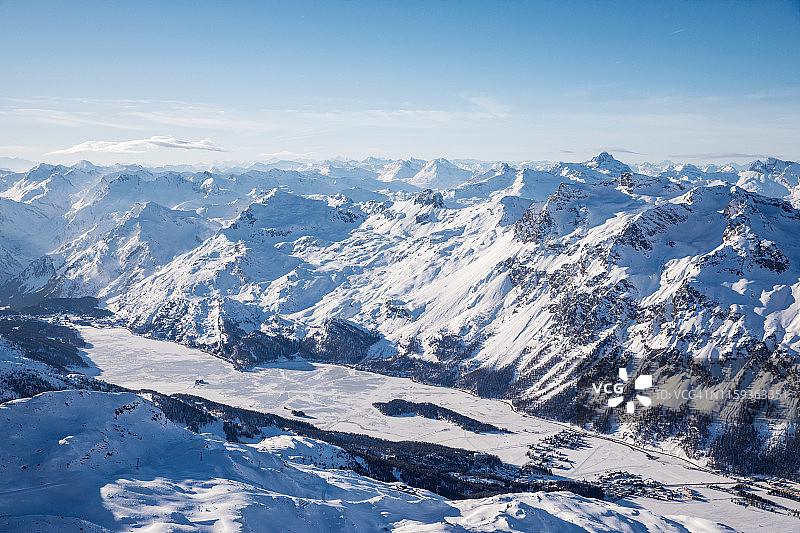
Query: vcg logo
x,y
644,381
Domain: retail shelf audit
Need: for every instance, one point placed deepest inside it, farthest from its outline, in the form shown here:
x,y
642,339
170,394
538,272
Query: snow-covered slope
x,y
504,180
246,271
145,237
21,237
98,460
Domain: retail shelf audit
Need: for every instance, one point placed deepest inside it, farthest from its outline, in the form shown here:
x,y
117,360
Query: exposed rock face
x,y
429,197
338,342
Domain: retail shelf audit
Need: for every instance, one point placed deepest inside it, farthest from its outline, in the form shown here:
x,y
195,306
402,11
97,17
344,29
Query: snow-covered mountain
x,y
528,282
15,164
404,169
774,177
440,174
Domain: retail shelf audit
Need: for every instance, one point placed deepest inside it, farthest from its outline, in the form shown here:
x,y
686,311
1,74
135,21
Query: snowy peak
x,y
570,211
85,165
774,166
440,174
285,216
347,170
46,187
21,290
498,169
168,232
605,163
105,261
502,168
510,282
404,169
774,177
21,237
506,181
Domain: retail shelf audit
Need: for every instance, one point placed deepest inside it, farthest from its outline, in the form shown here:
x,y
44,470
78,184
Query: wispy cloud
x,y
298,120
676,32
61,118
285,154
139,145
17,148
622,151
774,93
656,123
219,122
488,104
717,155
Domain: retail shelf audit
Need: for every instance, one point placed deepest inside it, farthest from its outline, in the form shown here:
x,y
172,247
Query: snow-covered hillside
x,y
95,461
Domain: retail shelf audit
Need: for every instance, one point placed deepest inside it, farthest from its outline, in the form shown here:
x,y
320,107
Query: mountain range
x,y
529,282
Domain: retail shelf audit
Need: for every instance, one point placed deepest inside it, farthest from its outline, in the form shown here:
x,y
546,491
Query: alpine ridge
x,y
523,281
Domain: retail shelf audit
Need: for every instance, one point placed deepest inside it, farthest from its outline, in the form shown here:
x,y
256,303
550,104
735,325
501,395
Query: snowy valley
x,y
200,348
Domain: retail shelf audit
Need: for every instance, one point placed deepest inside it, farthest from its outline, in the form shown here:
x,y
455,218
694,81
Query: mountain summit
x,y
605,163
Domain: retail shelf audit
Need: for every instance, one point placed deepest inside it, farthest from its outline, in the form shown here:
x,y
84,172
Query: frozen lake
x,y
341,398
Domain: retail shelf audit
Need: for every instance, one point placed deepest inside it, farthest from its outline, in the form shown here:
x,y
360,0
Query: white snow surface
x,y
111,460
340,398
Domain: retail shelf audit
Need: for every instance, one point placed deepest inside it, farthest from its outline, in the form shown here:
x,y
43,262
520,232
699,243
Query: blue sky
x,y
203,81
